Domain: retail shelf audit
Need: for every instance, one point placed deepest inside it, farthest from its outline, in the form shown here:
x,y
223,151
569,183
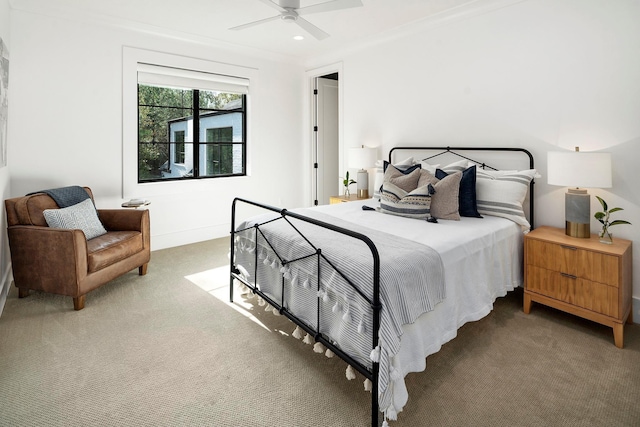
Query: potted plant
x,y
603,217
347,182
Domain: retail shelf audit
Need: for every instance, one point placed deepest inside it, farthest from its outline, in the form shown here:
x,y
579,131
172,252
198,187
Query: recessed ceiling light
x,y
298,37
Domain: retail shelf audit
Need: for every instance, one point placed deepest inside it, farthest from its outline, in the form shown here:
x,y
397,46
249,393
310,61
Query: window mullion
x,y
196,133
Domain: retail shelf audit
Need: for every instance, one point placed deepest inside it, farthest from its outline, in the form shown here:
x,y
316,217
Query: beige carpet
x,y
167,350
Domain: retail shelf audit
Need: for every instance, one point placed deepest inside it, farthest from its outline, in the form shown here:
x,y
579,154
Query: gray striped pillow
x,y
414,204
502,193
82,216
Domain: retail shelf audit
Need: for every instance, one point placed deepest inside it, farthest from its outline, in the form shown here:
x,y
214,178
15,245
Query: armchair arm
x,y
124,219
127,220
47,258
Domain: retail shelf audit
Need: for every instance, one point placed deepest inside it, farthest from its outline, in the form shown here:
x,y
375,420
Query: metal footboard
x,y
373,301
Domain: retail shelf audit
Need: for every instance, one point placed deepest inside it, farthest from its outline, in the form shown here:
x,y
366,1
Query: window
x,y
191,124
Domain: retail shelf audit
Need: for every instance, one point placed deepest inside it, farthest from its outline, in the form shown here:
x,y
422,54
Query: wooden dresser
x,y
580,276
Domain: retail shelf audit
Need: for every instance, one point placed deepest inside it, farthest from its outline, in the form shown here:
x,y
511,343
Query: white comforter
x,y
482,260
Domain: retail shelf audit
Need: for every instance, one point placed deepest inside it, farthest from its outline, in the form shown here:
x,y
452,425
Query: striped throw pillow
x,y
502,193
414,204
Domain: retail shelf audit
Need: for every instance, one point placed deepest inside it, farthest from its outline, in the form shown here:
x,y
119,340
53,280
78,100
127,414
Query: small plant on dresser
x,y
603,217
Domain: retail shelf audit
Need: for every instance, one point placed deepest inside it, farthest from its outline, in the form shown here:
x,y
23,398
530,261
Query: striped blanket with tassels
x,y
411,282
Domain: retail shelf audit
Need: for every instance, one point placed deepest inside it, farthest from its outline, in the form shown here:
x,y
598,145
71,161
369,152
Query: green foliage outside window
x,y
159,107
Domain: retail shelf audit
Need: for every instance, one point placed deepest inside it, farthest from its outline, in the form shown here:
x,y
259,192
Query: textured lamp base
x,y
363,184
577,213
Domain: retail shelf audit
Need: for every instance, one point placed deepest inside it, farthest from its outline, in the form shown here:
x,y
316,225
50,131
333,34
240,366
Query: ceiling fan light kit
x,y
290,12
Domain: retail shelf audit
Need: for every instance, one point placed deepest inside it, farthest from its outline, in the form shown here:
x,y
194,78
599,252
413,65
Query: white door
x,y
326,140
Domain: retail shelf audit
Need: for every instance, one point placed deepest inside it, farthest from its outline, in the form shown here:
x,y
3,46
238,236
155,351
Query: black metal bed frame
x,y
372,300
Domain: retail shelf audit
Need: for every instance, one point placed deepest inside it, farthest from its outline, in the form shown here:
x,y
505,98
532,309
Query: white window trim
x,y
131,57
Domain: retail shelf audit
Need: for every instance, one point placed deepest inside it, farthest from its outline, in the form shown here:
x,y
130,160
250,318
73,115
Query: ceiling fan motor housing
x,y
289,16
289,4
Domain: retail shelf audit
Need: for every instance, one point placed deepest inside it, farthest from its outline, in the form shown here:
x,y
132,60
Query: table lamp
x,y
362,158
578,170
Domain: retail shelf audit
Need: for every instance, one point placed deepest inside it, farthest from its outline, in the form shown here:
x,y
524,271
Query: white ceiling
x,y
211,20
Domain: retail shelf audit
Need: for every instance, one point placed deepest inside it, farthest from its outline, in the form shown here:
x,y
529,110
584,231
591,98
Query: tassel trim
x,y
350,373
307,339
319,347
375,354
297,333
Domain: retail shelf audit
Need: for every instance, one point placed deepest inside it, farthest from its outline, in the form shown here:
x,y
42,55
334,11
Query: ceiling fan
x,y
290,11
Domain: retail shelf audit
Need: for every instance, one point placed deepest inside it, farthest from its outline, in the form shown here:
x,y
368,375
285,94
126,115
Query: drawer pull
x,y
569,276
571,248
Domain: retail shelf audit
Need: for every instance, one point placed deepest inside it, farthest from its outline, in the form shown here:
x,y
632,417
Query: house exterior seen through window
x,y
190,133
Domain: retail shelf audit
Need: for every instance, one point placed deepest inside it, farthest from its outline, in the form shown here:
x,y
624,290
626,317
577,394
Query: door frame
x,y
308,155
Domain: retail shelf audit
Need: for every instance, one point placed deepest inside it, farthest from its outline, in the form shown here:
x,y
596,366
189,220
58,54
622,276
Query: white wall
x,y
66,116
540,74
5,260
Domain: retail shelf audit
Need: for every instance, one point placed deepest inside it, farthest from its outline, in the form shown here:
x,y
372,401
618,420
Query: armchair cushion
x,y
113,247
82,216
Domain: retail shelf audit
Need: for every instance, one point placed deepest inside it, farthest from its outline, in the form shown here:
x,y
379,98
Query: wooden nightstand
x,y
580,276
342,199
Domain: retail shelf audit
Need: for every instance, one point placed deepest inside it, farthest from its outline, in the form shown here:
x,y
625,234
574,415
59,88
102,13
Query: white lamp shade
x,y
579,169
362,157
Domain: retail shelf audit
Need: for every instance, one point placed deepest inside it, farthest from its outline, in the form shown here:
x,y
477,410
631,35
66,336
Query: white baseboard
x,y
5,286
186,237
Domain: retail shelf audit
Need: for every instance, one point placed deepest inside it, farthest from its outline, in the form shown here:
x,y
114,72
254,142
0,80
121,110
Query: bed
x,y
381,289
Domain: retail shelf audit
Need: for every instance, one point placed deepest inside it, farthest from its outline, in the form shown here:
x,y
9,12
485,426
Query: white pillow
x,y
460,165
82,216
502,193
429,167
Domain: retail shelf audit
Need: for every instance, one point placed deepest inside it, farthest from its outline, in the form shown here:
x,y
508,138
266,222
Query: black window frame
x,y
195,173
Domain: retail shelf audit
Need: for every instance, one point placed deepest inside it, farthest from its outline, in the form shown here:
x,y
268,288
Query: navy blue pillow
x,y
467,205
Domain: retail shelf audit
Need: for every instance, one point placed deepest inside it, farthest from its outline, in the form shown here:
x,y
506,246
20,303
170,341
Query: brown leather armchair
x,y
62,261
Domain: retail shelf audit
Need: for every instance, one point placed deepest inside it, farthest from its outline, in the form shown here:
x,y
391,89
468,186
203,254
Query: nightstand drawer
x,y
585,264
590,295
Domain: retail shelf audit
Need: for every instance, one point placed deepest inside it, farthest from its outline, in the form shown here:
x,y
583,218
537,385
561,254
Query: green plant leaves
x,y
602,202
346,181
619,221
603,217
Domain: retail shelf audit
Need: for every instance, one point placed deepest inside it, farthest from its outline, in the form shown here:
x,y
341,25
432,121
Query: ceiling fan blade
x,y
311,29
274,5
328,6
251,24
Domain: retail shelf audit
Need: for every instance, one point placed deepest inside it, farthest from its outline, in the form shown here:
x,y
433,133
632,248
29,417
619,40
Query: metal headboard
x,y
456,152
